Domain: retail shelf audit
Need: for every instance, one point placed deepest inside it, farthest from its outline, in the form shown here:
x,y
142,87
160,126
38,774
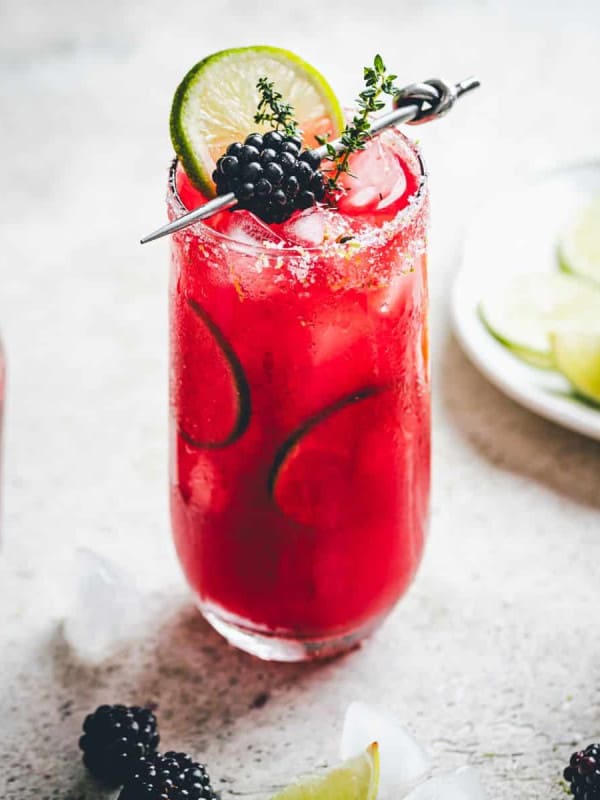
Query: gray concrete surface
x,y
493,657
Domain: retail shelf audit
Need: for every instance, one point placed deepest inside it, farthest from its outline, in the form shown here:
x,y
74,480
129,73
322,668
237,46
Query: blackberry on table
x,y
171,776
583,773
115,738
270,176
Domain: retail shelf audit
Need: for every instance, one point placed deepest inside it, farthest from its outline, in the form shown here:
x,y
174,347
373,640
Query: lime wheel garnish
x,y
216,102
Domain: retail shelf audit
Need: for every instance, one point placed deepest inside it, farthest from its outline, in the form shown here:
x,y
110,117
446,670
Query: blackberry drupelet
x,y
270,175
172,776
115,738
583,773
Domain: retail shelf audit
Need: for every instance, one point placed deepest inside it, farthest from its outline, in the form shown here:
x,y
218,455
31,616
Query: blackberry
x,y
270,176
272,139
172,776
583,773
115,738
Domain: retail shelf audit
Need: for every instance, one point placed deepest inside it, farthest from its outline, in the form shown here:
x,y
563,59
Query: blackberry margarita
x,y
300,407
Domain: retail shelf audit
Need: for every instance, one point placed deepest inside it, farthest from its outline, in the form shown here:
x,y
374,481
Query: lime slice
x,y
355,779
579,245
577,356
215,105
523,313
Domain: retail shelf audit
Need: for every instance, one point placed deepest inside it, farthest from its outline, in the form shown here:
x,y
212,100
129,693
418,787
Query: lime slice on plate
x,y
579,245
577,356
522,313
215,105
355,779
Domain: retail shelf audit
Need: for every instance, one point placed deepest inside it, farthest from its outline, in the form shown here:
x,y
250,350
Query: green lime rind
x,y
573,396
355,779
535,358
562,262
240,385
566,265
297,436
215,103
579,244
177,131
577,356
522,313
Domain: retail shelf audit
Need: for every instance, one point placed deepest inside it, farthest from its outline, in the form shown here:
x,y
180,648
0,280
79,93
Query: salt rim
x,y
372,236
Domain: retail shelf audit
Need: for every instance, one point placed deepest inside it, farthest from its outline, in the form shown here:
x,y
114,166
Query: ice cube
x,y
402,759
245,227
306,228
464,784
106,608
395,192
378,182
361,198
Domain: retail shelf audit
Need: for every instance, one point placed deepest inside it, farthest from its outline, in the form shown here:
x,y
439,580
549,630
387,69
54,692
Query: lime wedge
x,y
522,313
355,779
215,105
579,245
577,356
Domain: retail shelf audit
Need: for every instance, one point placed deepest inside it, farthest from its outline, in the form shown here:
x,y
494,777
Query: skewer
x,y
414,105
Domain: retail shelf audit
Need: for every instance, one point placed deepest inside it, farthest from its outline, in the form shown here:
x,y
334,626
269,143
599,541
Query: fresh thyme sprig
x,y
357,133
271,108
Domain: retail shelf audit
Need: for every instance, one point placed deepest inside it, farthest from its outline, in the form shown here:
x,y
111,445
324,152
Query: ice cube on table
x,y
402,759
464,784
306,228
106,607
246,228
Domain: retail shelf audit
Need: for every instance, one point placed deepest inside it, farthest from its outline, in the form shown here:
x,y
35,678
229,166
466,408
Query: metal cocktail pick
x,y
414,104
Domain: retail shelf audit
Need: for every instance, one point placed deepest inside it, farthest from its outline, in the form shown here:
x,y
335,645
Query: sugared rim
x,y
403,218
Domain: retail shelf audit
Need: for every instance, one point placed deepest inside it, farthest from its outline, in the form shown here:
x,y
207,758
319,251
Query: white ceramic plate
x,y
517,232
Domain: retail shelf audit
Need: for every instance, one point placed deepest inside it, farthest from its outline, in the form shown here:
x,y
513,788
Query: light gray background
x,y
492,659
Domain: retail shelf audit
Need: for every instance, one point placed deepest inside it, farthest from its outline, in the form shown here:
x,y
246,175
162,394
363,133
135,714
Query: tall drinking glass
x,y
300,408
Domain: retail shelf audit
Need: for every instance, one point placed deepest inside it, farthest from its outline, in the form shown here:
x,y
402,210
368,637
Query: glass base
x,y
276,647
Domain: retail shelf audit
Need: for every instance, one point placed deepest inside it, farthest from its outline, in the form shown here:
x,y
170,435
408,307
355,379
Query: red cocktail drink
x,y
300,409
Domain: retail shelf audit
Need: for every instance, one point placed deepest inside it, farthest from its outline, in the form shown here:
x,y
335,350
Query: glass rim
x,y
200,228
